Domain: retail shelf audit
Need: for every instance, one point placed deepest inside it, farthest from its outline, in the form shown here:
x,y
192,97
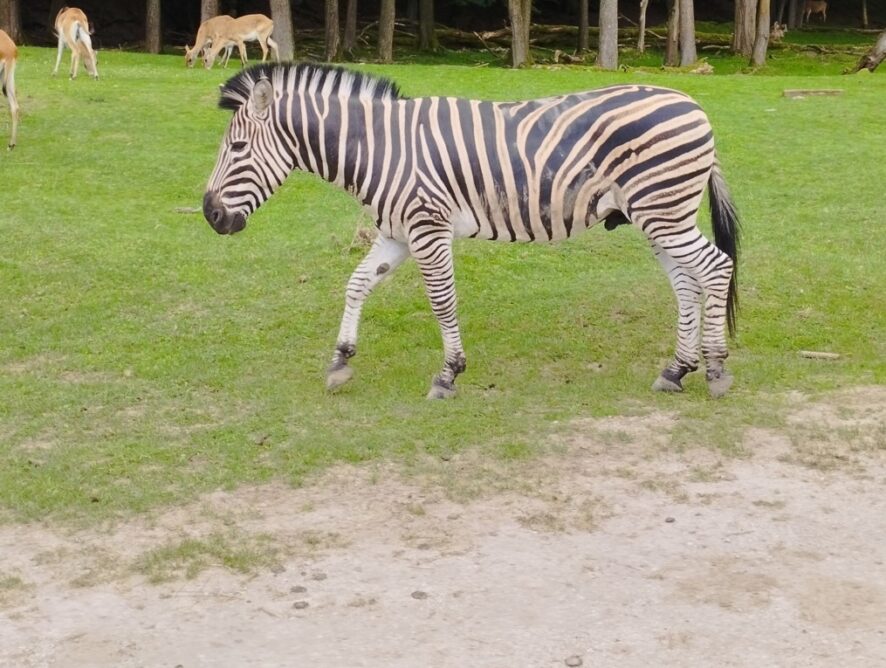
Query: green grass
x,y
145,360
190,556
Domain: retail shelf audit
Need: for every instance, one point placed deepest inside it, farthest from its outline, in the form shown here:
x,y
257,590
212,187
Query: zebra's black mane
x,y
336,80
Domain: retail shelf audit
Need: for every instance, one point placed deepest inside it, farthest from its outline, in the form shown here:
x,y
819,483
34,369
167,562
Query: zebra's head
x,y
251,164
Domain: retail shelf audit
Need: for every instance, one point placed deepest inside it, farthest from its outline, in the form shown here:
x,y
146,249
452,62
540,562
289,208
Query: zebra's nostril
x,y
217,216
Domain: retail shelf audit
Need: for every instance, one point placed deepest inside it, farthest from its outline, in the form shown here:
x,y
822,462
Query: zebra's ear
x,y
262,96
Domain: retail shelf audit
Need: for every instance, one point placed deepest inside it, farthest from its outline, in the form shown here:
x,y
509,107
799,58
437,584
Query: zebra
x,y
431,169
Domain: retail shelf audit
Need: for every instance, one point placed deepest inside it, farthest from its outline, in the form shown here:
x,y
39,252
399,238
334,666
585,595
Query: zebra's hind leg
x,y
689,294
432,249
383,258
712,269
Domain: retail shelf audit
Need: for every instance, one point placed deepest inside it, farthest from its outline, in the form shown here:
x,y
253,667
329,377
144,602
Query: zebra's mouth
x,y
219,218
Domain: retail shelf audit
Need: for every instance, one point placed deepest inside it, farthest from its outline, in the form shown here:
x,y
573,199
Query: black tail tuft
x,y
727,234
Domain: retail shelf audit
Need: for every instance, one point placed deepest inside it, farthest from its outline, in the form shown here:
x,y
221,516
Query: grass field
x,y
145,360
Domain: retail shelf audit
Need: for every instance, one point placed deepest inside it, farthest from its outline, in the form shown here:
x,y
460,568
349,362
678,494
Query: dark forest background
x,y
121,23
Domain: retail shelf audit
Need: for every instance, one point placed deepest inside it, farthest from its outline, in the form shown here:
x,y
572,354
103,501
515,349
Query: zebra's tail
x,y
727,233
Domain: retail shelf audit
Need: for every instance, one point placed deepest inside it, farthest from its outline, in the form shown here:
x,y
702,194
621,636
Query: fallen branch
x,y
818,355
872,58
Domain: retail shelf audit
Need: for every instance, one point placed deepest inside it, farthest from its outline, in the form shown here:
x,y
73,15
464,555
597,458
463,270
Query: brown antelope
x,y
217,24
8,57
777,32
72,29
249,28
811,7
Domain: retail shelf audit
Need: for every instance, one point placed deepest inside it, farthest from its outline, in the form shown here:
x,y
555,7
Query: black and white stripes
x,y
432,169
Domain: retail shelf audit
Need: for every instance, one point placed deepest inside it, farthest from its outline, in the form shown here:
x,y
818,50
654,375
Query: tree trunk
x,y
864,13
208,9
872,58
11,19
688,54
641,39
794,15
349,40
780,13
281,15
745,26
607,55
519,13
672,51
331,53
583,25
427,37
761,43
152,27
387,14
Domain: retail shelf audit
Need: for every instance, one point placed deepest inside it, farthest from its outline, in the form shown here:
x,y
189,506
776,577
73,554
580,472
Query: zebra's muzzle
x,y
221,220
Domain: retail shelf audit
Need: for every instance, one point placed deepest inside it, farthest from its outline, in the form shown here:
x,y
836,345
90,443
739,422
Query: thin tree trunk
x,y
11,19
331,53
349,40
208,9
864,13
519,13
641,39
607,55
794,15
761,43
427,37
745,27
387,14
688,55
281,15
152,27
781,5
583,25
672,46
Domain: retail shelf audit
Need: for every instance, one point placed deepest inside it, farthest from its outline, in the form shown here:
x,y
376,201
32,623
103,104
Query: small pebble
x,y
420,595
300,605
573,661
670,520
297,589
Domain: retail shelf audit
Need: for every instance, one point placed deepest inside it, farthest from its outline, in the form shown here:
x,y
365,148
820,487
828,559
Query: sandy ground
x,y
613,550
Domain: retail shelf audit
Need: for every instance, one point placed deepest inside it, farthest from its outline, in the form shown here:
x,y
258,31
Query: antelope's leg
x,y
61,48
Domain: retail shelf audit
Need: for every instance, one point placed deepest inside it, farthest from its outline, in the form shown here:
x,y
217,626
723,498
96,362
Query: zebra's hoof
x,y
335,378
663,384
441,391
719,385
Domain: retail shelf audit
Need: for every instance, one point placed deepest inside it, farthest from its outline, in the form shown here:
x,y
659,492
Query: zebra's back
x,y
544,169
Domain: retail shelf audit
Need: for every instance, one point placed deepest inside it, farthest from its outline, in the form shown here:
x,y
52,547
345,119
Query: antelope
x,y
777,32
72,29
8,57
217,24
815,7
249,28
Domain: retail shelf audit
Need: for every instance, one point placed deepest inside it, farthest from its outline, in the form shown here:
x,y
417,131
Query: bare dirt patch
x,y
613,550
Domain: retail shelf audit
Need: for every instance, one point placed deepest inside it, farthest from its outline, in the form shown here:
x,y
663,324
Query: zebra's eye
x,y
238,146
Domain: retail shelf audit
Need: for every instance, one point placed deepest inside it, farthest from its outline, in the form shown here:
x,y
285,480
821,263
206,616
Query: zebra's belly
x,y
539,223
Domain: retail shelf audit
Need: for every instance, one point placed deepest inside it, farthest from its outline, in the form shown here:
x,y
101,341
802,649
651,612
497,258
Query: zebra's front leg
x,y
688,293
432,249
384,256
